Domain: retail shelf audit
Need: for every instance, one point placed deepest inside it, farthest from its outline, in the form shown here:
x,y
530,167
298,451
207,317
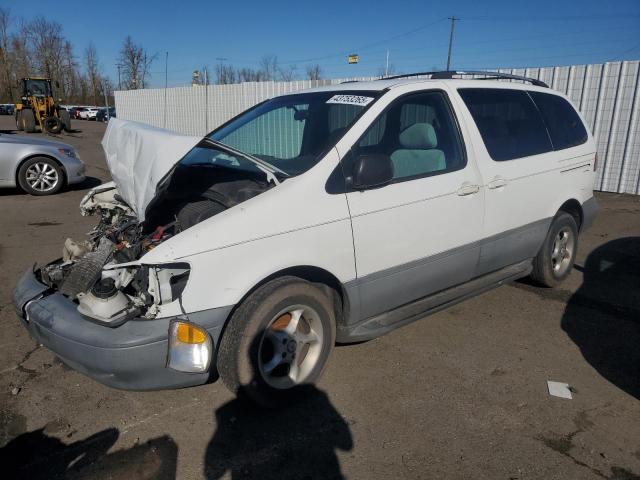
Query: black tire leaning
x,y
238,358
65,118
543,272
53,125
24,184
28,121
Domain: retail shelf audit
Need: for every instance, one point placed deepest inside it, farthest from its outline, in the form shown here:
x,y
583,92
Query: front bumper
x,y
132,356
74,170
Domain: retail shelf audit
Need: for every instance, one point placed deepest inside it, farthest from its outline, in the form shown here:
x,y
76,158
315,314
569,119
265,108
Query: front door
x,y
420,233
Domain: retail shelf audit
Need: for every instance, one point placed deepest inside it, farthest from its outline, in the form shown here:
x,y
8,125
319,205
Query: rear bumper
x,y
589,213
131,357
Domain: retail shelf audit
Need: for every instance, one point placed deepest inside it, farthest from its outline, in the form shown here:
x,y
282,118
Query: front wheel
x,y
277,341
40,176
555,259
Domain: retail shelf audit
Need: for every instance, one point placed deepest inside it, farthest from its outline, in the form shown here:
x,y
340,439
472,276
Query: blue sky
x,y
490,33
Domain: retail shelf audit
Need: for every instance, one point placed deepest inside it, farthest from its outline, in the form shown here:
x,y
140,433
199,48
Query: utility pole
x,y
386,68
119,83
206,100
453,23
166,66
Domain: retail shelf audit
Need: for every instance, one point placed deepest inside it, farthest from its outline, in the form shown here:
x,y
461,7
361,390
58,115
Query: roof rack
x,y
448,74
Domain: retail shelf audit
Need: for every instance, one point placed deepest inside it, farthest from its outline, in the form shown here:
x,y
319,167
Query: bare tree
x,y
225,74
287,74
6,59
269,67
92,70
314,72
46,44
136,64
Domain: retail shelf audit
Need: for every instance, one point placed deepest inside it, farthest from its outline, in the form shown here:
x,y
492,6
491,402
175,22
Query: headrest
x,y
420,136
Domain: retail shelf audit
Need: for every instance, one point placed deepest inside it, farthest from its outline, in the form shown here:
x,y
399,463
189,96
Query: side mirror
x,y
371,171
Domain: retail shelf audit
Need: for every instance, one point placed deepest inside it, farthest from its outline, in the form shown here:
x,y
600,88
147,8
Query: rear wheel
x,y
28,121
19,126
65,118
40,176
554,262
277,341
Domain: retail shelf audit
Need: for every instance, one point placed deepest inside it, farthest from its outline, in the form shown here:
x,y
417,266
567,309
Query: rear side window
x,y
509,122
565,127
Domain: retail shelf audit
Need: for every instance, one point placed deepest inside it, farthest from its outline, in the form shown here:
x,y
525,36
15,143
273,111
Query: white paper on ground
x,y
559,389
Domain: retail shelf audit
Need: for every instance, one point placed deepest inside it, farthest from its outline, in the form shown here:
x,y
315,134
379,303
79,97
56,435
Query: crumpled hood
x,y
139,156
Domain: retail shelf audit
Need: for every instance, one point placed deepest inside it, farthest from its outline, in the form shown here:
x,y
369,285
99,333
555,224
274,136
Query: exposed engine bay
x,y
102,273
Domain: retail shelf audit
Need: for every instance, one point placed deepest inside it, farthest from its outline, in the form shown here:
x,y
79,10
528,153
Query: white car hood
x,y
139,156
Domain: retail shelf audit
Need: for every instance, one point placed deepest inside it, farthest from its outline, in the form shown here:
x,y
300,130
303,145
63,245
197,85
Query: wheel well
x,y
573,208
314,275
44,155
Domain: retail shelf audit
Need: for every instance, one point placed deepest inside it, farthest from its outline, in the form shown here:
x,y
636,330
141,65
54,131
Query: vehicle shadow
x,y
297,441
36,455
86,184
603,316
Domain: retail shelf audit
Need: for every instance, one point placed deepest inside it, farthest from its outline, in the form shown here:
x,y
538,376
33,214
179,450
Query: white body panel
x,y
293,224
411,220
525,190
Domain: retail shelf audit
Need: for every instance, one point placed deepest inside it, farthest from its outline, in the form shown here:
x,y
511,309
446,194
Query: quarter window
x,y
565,127
509,122
419,134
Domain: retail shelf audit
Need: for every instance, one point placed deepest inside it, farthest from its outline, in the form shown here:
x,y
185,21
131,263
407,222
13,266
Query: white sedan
x,y
89,113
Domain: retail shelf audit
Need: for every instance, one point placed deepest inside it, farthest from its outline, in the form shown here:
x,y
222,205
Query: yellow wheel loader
x,y
38,108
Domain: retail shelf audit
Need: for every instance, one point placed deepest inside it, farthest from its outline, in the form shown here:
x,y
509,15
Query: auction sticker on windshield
x,y
351,100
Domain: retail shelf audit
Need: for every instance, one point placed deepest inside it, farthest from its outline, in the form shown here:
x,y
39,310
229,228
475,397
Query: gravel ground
x,y
460,394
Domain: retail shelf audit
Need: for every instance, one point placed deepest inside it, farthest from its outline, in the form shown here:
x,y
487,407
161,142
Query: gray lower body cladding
x,y
130,357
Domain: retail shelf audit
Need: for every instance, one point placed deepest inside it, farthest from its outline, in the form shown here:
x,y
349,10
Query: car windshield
x,y
292,132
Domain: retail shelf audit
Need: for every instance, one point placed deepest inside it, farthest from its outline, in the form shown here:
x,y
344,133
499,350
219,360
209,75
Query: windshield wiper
x,y
272,169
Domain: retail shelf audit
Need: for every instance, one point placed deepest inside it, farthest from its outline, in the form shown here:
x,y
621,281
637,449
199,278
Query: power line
x,y
367,46
555,18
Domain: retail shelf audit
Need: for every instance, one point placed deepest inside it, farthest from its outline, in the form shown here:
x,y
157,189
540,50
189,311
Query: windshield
x,y
293,131
38,87
207,154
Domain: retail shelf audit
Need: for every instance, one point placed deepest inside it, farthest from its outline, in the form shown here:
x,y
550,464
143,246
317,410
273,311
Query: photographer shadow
x,y
36,455
297,441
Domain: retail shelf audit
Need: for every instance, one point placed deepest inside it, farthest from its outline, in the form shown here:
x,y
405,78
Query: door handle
x,y
468,189
497,182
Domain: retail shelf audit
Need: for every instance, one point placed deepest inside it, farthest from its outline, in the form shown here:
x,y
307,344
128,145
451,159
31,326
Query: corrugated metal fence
x,y
606,94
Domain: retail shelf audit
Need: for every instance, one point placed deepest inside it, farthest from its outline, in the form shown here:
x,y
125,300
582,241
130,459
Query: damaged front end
x,y
106,275
103,274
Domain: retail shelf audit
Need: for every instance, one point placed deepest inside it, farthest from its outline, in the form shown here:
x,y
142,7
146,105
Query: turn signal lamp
x,y
190,347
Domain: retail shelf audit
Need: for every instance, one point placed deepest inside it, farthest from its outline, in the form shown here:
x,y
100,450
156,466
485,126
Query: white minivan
x,y
335,214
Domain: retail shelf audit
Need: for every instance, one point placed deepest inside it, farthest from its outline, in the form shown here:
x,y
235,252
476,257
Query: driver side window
x,y
419,134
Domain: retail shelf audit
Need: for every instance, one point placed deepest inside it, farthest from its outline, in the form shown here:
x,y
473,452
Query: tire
x,y
28,121
555,260
53,125
51,176
65,118
259,346
19,125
